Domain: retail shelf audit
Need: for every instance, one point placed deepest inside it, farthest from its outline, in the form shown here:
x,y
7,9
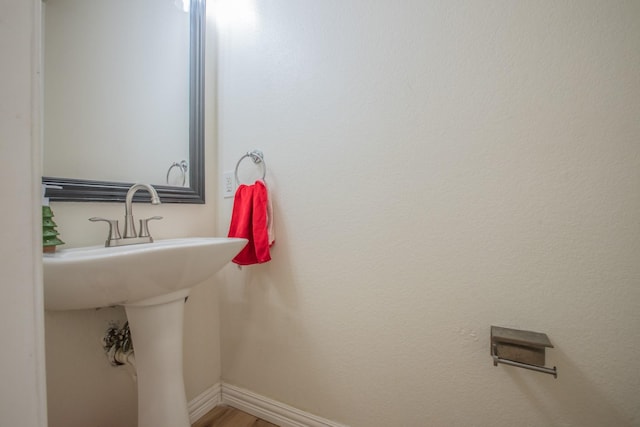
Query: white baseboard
x,y
254,404
204,402
271,410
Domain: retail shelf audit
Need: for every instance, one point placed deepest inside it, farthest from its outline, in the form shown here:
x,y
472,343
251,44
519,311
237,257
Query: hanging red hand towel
x,y
249,220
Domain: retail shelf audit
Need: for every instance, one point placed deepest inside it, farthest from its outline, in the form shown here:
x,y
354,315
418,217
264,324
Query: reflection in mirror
x,y
123,98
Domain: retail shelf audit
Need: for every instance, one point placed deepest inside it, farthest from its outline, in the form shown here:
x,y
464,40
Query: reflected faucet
x,y
131,237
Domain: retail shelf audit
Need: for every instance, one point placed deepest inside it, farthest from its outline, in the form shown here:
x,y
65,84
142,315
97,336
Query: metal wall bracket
x,y
523,349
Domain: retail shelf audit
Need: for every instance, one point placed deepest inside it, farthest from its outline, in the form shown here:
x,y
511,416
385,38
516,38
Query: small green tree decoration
x,y
49,233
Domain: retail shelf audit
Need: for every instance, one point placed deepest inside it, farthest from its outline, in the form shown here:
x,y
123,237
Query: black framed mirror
x,y
84,190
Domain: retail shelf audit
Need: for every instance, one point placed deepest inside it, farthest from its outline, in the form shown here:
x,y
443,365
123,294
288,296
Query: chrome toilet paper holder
x,y
523,349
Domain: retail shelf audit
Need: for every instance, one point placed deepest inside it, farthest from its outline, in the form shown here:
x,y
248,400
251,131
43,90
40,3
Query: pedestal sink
x,y
151,281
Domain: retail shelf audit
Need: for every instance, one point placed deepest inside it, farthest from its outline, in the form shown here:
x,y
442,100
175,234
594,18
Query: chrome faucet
x,y
131,237
129,227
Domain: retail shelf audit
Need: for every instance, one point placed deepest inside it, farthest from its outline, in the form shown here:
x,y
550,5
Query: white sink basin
x,y
97,276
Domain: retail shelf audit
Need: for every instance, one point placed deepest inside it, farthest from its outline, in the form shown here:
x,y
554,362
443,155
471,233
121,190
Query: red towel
x,y
249,220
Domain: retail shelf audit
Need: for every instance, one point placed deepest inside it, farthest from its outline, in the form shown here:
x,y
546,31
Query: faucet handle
x,y
144,226
114,231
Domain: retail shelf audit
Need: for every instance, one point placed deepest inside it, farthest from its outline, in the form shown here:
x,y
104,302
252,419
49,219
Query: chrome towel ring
x,y
183,169
258,158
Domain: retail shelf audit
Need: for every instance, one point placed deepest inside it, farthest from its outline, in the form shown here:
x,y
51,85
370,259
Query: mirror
x,y
101,108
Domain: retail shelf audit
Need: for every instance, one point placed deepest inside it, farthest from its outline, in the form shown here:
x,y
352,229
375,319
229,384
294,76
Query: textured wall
x,y
438,167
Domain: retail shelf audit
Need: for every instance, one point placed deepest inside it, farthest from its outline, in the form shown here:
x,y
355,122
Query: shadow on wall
x,y
265,301
576,400
83,389
271,325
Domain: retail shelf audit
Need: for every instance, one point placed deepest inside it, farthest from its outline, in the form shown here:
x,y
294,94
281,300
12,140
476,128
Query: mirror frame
x,y
81,190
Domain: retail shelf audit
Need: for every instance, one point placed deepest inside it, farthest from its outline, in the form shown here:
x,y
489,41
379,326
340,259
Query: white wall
x,y
22,389
438,167
83,389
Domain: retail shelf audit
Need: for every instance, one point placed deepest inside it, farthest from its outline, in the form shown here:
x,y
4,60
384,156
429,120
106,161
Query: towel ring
x,y
258,158
183,169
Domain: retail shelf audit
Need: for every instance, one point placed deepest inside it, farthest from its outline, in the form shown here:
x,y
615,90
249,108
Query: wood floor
x,y
226,416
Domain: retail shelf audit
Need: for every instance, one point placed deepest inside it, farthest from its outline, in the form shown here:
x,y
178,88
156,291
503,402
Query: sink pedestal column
x,y
156,331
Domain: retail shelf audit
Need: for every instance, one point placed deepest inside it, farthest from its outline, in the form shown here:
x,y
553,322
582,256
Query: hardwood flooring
x,y
226,416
